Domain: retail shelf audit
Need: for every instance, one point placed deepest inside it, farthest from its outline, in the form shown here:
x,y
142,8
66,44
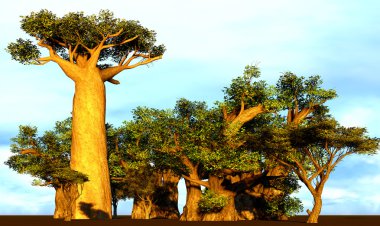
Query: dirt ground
x,y
126,220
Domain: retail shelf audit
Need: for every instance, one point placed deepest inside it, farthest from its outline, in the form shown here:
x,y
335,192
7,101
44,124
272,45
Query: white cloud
x,y
354,110
359,117
336,194
369,180
18,195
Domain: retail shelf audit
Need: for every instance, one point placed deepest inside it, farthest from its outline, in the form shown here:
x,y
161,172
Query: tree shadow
x,y
90,212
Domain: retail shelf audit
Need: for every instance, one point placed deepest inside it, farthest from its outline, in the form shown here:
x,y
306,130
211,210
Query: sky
x,y
208,43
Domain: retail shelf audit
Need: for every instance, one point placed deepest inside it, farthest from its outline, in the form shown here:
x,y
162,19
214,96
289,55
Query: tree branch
x,y
199,182
43,60
30,151
299,116
121,43
144,62
301,168
241,105
72,53
243,117
67,67
340,159
113,81
317,173
316,165
95,52
305,181
59,42
110,72
122,60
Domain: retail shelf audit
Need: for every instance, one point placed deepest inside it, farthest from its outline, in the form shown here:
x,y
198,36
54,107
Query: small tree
x,y
131,167
90,50
47,158
313,151
117,173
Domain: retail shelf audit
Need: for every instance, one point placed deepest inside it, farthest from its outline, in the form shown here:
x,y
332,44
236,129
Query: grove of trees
x,y
241,159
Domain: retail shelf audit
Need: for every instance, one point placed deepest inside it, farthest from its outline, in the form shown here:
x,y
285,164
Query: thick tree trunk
x,y
228,213
141,209
88,150
60,203
193,193
314,214
138,211
65,197
191,209
166,197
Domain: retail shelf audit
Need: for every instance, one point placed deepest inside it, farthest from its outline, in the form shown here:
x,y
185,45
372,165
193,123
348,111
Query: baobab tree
x,y
46,158
90,50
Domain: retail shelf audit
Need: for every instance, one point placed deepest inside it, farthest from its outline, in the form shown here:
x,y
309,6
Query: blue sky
x,y
208,43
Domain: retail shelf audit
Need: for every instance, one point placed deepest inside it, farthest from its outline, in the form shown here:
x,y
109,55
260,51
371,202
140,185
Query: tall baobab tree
x,y
90,50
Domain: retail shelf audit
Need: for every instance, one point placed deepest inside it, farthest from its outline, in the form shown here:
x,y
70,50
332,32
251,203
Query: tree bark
x,y
142,208
88,150
166,197
138,211
228,213
60,203
191,209
193,193
65,197
314,214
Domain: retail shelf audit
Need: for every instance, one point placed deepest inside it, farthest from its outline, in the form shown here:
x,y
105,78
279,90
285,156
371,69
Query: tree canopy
x,y
99,40
46,157
313,151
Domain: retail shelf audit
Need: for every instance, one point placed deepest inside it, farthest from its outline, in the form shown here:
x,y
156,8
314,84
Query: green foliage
x,y
350,140
284,204
24,51
298,92
139,182
287,205
77,29
46,157
251,93
211,202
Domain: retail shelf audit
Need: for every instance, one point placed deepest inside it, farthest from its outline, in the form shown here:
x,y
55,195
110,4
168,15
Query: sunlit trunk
x,y
88,150
65,197
193,194
138,211
142,207
314,214
191,209
60,203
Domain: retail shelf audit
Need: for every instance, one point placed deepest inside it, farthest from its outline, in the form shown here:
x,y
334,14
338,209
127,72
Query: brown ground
x,y
126,221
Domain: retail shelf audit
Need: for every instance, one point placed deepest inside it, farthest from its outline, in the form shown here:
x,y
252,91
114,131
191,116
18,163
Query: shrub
x,y
212,202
